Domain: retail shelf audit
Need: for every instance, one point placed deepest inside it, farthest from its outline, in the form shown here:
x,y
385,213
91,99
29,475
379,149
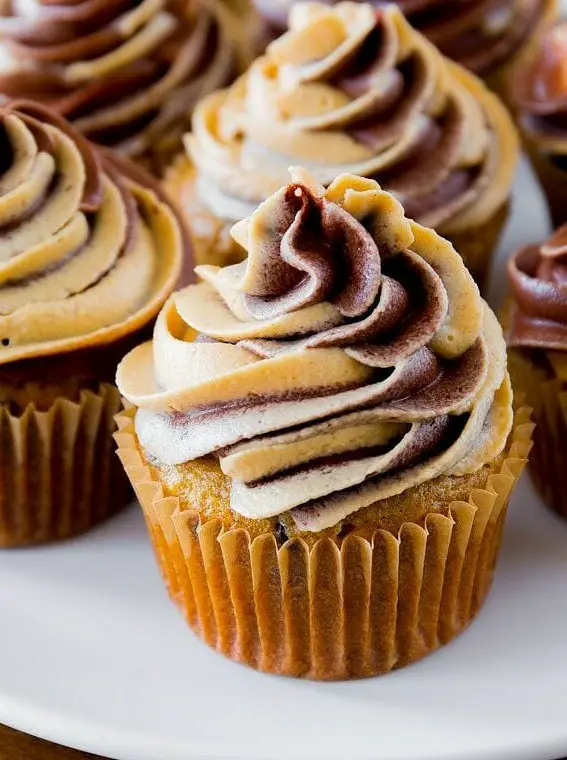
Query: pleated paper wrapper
x,y
331,612
58,469
547,394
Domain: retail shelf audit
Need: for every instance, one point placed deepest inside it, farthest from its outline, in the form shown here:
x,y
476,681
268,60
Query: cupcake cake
x,y
540,98
351,88
537,336
324,440
485,36
126,73
89,252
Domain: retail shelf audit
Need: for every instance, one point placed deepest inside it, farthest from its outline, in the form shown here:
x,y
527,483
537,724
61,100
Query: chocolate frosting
x,y
347,359
355,89
478,34
89,250
540,92
538,275
125,72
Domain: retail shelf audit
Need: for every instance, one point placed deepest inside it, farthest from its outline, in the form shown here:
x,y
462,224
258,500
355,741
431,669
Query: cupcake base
x,y
547,393
58,474
338,609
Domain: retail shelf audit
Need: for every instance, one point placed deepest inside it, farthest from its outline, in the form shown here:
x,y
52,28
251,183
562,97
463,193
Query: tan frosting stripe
x,y
352,88
125,73
323,431
77,267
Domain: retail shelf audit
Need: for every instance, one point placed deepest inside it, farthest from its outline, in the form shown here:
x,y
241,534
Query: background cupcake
x,y
538,357
352,89
89,251
325,443
126,73
485,36
540,97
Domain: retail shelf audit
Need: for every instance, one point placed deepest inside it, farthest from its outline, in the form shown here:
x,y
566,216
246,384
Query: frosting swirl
x,y
478,34
540,93
89,250
354,89
538,275
349,358
126,72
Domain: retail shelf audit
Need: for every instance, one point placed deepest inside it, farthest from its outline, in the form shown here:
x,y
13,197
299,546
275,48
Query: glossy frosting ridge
x,y
355,89
349,358
125,72
540,92
88,251
478,34
538,276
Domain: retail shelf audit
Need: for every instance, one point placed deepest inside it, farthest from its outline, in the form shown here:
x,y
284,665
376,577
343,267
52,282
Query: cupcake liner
x,y
477,246
548,396
329,612
58,475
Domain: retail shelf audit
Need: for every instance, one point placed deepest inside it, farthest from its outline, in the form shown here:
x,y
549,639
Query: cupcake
x,y
325,443
126,73
352,89
537,337
485,36
89,252
540,97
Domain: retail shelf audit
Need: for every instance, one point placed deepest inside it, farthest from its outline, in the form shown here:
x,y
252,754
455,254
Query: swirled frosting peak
x,y
89,251
348,358
540,92
478,34
354,89
125,72
538,275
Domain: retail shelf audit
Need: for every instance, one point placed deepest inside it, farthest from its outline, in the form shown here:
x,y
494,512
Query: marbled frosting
x,y
89,250
348,359
127,73
355,89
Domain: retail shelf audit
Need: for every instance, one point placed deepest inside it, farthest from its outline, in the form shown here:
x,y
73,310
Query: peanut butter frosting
x,y
88,252
478,34
347,359
540,93
354,89
538,276
125,72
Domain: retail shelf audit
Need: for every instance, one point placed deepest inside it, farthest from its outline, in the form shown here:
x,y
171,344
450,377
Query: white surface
x,y
93,655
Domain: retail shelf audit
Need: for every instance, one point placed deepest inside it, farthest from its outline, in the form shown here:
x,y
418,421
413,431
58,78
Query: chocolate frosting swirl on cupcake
x,y
355,89
538,276
88,253
478,34
125,72
540,93
349,358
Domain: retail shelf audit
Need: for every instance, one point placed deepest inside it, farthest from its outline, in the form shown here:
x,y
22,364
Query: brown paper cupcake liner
x,y
58,473
548,460
343,610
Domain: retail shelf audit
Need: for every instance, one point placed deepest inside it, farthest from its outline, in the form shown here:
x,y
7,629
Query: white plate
x,y
94,656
